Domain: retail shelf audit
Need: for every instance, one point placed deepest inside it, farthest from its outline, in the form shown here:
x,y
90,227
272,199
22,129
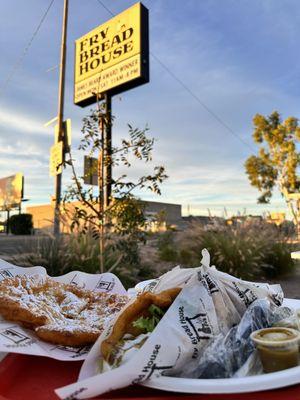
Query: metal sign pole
x,y
61,94
101,185
7,222
104,174
107,151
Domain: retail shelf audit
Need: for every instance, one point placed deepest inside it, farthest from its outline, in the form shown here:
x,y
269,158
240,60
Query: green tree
x,y
118,225
277,160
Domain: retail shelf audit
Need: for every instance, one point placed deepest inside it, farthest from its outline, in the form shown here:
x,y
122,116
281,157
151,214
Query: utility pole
x,y
60,116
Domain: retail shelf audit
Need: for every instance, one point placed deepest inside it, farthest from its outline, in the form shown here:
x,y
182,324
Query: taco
x,y
137,320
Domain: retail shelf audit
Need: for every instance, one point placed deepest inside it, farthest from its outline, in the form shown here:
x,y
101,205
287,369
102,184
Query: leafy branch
x,y
123,218
277,160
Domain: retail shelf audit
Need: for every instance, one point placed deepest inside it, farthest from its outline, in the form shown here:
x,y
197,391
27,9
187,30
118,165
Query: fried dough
x,y
59,313
131,313
71,335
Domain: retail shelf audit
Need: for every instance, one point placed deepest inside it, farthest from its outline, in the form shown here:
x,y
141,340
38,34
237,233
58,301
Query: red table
x,y
25,377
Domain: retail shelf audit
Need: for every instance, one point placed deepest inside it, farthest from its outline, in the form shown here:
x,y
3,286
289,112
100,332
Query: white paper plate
x,y
256,383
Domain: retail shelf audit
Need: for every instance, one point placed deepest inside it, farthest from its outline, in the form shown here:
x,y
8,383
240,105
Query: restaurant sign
x,y
113,57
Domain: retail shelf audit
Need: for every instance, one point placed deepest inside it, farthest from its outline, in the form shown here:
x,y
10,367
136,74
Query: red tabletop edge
x,y
25,377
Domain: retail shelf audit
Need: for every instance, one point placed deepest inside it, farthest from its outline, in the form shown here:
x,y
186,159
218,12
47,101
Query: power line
x,y
107,9
25,51
212,113
178,80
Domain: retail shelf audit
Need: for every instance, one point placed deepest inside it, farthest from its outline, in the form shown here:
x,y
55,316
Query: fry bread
x,y
59,313
135,310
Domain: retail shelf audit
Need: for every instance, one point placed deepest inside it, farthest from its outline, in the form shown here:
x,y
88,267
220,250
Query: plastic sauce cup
x,y
277,347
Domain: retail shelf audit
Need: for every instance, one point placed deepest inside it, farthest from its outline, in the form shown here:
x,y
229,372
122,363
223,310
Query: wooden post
x,y
60,115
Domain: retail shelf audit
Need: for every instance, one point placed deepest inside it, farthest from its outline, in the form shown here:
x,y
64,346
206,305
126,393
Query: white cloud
x,y
203,160
12,119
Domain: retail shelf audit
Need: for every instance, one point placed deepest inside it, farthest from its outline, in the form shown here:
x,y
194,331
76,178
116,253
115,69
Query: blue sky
x,y
237,57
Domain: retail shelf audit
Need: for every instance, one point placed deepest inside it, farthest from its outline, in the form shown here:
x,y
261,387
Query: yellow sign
x,y
112,57
11,191
56,159
277,217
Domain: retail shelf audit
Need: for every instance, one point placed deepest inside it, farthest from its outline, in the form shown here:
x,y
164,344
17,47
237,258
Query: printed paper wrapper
x,y
16,339
210,303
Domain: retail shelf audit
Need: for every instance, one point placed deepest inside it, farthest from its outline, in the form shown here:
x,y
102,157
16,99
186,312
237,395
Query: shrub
x,y
166,247
44,251
21,224
248,251
230,250
278,261
81,252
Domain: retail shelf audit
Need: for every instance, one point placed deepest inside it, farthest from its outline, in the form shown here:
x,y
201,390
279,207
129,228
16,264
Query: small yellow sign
x,y
11,191
56,159
112,54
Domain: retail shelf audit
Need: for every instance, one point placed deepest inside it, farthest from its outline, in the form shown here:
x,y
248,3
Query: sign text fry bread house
x,y
112,57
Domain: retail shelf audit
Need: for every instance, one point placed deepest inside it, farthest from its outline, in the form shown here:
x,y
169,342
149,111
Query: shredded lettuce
x,y
148,324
